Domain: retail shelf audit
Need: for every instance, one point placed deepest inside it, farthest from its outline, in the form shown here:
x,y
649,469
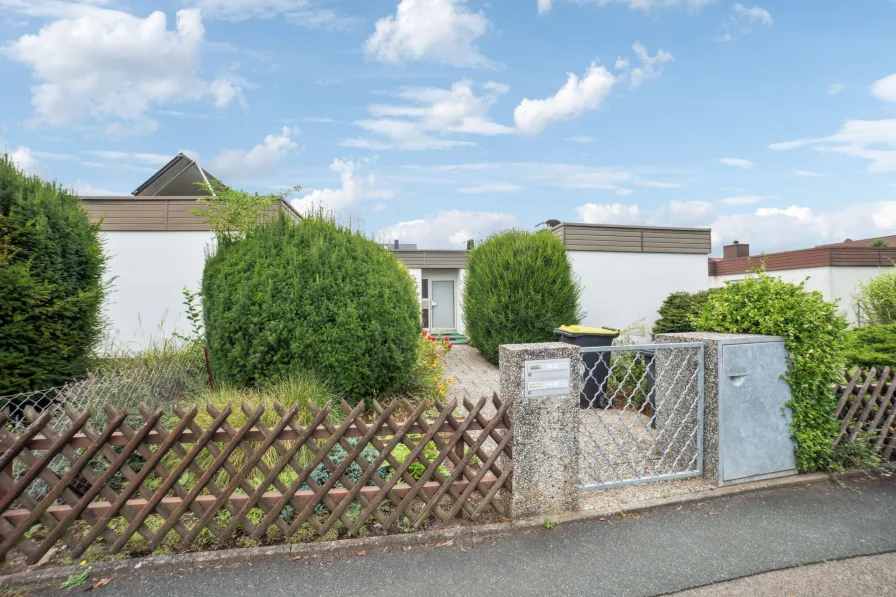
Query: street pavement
x,y
656,553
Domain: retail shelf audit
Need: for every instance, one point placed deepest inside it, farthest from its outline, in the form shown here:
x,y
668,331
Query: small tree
x,y
51,283
519,287
311,296
876,299
231,213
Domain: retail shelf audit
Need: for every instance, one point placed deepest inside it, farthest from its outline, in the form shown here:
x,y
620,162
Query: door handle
x,y
434,304
737,380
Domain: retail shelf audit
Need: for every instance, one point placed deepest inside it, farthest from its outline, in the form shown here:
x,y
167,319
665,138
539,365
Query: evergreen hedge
x,y
871,346
519,287
314,296
678,310
51,283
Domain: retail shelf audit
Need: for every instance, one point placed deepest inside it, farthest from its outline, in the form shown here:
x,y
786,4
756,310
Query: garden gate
x,y
641,416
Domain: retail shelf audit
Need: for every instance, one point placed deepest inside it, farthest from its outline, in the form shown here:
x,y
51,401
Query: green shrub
x,y
519,287
51,283
310,296
871,346
814,336
678,310
876,300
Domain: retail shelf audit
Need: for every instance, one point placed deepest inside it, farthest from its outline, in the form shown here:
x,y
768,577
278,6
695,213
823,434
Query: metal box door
x,y
754,422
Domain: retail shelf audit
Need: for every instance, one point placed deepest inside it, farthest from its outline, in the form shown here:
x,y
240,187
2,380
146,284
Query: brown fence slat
x,y
82,504
879,430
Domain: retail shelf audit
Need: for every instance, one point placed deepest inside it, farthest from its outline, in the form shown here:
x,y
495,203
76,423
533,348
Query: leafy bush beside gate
x,y
51,283
813,333
310,296
519,287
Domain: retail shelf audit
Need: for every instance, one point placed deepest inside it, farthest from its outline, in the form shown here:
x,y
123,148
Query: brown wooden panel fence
x,y
82,485
867,410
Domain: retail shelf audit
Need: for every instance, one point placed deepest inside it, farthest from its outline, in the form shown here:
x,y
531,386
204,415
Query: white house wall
x,y
834,283
845,283
459,309
618,289
148,271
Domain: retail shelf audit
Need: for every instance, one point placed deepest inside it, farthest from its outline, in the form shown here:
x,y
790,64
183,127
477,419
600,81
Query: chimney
x,y
735,249
395,244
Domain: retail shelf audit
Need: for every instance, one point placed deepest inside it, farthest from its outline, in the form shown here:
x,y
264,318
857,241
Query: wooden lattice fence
x,y
867,410
82,485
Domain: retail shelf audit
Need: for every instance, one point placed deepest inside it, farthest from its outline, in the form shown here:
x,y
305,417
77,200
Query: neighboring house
x,y
626,272
835,270
156,247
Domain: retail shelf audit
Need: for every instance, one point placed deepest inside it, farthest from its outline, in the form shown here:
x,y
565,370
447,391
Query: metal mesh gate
x,y
642,413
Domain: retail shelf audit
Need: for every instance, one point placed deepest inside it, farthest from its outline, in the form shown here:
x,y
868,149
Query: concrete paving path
x,y
656,553
471,375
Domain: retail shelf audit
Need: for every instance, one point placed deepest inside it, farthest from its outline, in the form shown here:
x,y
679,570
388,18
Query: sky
x,y
437,121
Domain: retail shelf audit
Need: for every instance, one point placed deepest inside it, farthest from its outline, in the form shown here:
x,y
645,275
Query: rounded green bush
x,y
519,287
51,283
315,296
871,346
813,334
678,311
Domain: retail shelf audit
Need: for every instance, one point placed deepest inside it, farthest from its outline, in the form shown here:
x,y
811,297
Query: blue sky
x,y
434,121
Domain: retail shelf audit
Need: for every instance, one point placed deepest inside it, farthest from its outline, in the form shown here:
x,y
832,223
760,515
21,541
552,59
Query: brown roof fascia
x,y
806,258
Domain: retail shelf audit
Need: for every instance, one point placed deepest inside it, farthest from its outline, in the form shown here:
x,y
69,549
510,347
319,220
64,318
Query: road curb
x,y
432,539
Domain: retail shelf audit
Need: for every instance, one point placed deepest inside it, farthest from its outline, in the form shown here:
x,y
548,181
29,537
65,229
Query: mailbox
x,y
546,378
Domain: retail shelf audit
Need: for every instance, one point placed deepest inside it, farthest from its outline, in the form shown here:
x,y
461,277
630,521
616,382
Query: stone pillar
x,y
545,432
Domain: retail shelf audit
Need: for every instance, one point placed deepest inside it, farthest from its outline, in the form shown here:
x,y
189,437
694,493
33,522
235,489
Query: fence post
x,y
545,422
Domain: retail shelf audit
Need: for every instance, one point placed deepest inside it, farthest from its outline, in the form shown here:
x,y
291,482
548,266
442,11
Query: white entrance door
x,y
442,303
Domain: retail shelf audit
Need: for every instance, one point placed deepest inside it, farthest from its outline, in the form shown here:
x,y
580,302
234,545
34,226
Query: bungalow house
x,y
156,247
835,270
626,272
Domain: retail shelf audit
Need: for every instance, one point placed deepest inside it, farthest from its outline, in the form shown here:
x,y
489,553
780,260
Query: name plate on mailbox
x,y
546,378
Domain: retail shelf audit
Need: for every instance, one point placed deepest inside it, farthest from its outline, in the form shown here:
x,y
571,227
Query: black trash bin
x,y
592,394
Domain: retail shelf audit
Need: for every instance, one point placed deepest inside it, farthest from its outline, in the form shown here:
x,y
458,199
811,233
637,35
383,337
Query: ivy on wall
x,y
813,334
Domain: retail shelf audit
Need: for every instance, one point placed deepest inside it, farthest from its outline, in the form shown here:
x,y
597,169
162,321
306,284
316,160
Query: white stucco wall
x,y
834,283
618,289
149,271
845,283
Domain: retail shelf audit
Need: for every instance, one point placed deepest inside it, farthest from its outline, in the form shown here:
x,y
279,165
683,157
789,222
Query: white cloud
x,y
737,163
84,189
744,199
25,160
805,173
581,139
354,189
544,6
112,67
300,12
766,229
318,120
449,229
576,96
431,114
241,165
742,21
155,159
443,31
651,66
606,213
835,88
873,140
885,89
492,187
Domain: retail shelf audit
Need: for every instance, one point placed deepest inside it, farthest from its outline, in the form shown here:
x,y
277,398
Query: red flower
x,y
450,345
446,338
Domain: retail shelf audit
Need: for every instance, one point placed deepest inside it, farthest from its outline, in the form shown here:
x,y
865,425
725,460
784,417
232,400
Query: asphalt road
x,y
657,553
